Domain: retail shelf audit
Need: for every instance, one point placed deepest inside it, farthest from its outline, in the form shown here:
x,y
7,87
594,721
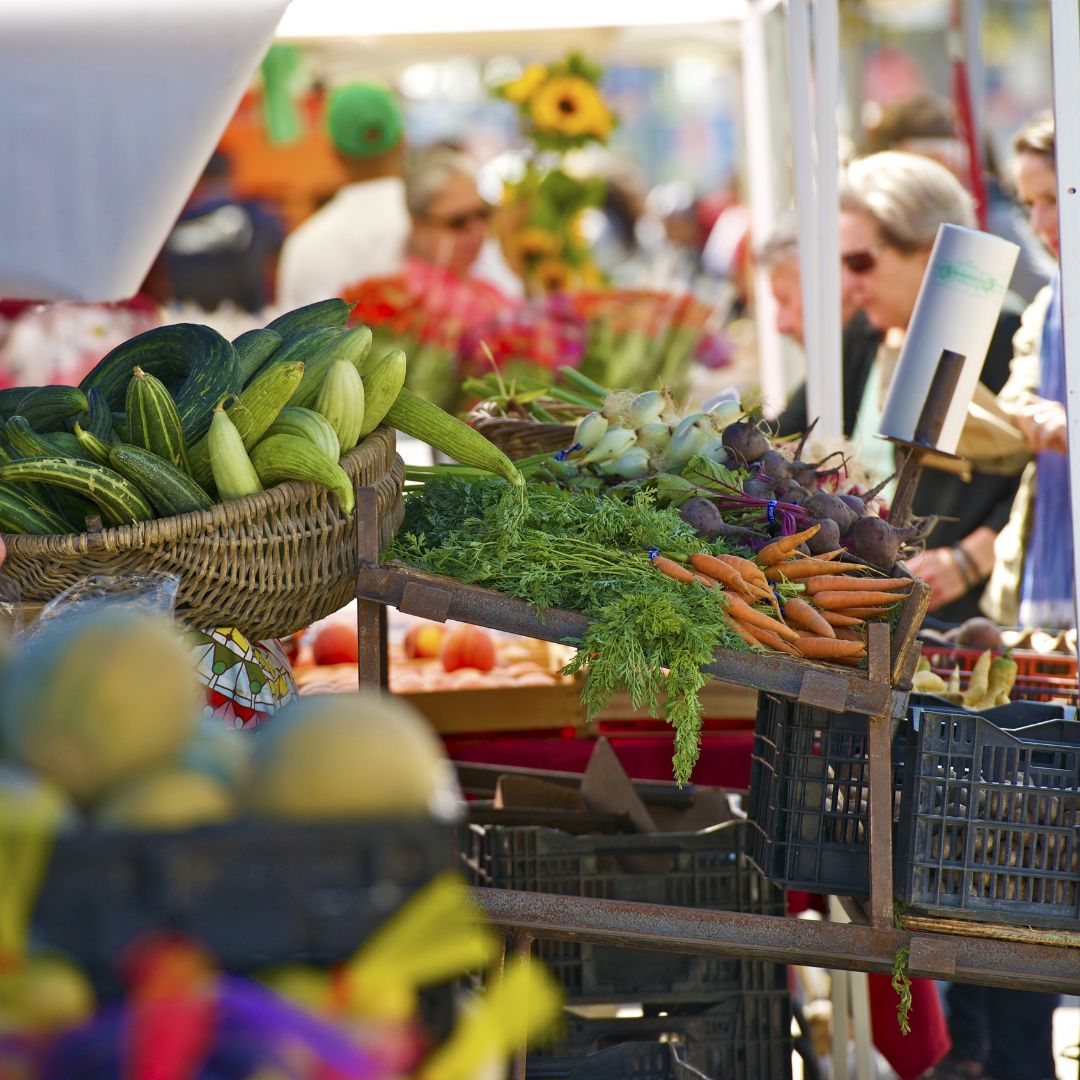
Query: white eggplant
x,y
726,412
614,444
654,436
590,430
631,465
646,408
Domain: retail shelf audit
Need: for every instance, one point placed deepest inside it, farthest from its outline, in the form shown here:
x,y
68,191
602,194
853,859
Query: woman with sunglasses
x,y
891,205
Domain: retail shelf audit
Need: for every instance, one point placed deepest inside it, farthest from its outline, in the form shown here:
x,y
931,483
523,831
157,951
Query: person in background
x,y
1032,582
925,125
223,249
779,256
361,232
891,205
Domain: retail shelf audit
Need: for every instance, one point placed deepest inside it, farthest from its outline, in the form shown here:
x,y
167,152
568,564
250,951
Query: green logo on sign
x,y
967,277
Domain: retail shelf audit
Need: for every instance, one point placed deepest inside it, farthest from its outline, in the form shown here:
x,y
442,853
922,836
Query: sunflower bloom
x,y
521,89
552,275
533,242
571,106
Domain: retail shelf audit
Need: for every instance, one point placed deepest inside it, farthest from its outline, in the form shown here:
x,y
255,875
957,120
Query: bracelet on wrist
x,y
964,563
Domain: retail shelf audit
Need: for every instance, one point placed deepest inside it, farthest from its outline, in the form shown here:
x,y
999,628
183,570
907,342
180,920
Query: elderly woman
x,y
891,205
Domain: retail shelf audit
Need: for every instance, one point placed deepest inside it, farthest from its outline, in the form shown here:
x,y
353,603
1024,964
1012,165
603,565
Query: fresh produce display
x,y
989,684
179,418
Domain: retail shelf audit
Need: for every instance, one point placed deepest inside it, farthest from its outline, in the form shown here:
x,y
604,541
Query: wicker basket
x,y
269,565
521,438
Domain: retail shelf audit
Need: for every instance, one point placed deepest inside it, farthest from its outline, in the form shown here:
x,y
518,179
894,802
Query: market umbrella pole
x,y
1065,49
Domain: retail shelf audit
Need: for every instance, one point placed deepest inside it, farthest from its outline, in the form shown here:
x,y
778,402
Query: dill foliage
x,y
649,635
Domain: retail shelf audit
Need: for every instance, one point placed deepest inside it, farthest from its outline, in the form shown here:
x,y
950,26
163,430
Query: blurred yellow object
x,y
979,680
301,984
524,1005
170,798
43,993
437,935
927,682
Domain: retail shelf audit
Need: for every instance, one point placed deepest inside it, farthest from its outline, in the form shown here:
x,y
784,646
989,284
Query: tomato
x,y
335,643
467,646
423,641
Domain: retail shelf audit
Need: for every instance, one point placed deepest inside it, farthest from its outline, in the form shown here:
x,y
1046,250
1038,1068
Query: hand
x,y
939,570
3,551
1042,423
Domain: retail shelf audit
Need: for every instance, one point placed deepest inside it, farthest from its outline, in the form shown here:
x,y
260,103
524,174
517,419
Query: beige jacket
x,y
1001,597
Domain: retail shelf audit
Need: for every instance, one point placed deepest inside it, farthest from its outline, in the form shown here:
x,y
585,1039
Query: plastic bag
x,y
154,591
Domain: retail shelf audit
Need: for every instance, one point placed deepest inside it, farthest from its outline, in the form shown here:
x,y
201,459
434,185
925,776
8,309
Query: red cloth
x,y
725,762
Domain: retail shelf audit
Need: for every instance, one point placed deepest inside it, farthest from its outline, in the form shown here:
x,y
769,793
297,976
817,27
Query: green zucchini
x,y
98,420
332,312
49,408
154,421
92,446
10,397
119,501
305,345
234,475
253,349
252,412
195,358
26,442
19,513
121,429
285,457
169,490
306,424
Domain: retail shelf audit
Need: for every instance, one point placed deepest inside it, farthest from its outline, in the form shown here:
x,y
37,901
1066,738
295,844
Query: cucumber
x,y
252,412
332,312
10,397
26,442
382,384
253,349
353,345
154,421
120,426
169,490
92,446
341,401
49,408
98,420
19,513
201,363
285,457
120,502
306,424
304,346
234,475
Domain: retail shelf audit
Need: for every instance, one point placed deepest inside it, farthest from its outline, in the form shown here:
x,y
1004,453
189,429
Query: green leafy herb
x,y
649,635
901,983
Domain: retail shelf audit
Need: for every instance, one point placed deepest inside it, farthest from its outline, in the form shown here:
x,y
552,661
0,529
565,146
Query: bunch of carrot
x,y
826,622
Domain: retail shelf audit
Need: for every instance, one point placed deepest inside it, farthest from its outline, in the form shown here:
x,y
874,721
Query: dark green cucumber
x,y
254,348
50,408
10,397
19,513
26,442
121,428
119,501
97,419
332,312
353,346
92,446
304,345
169,490
154,420
196,358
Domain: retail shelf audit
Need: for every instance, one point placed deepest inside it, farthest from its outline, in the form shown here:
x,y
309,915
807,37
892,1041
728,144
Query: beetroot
x,y
877,542
745,440
823,505
702,516
827,538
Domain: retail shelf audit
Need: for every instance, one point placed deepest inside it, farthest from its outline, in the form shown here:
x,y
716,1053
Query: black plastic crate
x,y
255,894
991,818
626,1061
743,1036
703,870
808,809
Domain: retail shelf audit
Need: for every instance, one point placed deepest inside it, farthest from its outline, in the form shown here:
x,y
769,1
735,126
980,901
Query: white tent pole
x,y
972,52
1065,47
802,138
826,92
762,198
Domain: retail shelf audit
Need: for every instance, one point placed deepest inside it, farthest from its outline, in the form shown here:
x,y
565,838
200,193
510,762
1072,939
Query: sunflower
x,y
532,242
521,89
571,106
552,275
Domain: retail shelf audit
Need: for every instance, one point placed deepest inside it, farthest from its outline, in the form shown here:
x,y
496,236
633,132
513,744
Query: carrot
x,y
801,569
816,648
864,613
673,569
867,598
751,572
773,641
741,610
801,615
726,575
780,549
840,619
848,633
837,583
742,631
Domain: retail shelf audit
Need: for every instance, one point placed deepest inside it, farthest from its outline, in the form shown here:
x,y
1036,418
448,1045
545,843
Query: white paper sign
x,y
111,109
957,309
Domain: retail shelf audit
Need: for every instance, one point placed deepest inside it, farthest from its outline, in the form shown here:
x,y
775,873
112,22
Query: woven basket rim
x,y
281,496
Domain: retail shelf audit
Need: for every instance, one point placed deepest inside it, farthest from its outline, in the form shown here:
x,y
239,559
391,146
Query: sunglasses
x,y
460,222
861,262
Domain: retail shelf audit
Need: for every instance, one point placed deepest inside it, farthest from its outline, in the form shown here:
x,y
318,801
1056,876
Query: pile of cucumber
x,y
179,418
